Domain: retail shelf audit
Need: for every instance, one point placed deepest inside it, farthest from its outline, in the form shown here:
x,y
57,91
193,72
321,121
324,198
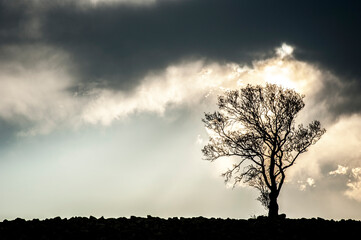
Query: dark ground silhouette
x,y
177,228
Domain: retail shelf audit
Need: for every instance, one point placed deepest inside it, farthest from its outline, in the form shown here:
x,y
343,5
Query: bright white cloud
x,y
311,182
192,82
138,3
341,170
135,2
39,93
354,185
183,84
285,50
356,172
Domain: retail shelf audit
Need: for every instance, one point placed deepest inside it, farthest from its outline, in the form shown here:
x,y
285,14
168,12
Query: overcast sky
x,y
102,100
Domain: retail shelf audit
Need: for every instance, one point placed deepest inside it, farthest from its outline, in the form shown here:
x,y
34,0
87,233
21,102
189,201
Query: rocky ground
x,y
178,228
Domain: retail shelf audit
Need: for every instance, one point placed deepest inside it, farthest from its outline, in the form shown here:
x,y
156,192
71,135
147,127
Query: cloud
x,y
334,162
35,88
41,87
189,83
116,46
302,186
354,191
356,172
354,185
285,50
352,182
310,182
135,2
40,91
93,4
340,170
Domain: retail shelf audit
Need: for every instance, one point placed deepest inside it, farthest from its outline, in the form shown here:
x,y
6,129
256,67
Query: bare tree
x,y
257,126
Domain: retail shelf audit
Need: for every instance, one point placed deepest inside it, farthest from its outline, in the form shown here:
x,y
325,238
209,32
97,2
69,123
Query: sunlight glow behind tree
x,y
257,125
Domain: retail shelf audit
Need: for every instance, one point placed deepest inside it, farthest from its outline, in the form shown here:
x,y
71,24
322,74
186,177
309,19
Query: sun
x,y
280,75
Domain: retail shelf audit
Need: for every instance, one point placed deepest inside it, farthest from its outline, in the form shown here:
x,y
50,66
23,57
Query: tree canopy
x,y
256,125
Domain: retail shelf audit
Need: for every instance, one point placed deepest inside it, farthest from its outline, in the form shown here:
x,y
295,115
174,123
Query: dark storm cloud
x,y
341,97
115,45
11,18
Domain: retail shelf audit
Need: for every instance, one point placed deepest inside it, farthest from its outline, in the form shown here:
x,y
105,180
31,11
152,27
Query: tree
x,y
256,125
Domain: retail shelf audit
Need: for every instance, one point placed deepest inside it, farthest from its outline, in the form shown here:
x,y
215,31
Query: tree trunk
x,y
273,206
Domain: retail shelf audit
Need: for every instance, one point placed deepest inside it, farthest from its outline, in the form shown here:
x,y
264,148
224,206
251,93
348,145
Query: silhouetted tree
x,y
257,125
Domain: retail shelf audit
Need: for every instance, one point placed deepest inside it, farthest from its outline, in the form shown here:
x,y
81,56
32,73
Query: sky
x,y
102,101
